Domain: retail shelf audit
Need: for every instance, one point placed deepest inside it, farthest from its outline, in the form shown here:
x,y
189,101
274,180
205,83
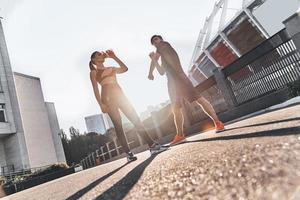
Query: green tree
x,y
80,145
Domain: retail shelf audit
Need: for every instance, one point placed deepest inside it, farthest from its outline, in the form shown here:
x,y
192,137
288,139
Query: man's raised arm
x,y
154,63
152,67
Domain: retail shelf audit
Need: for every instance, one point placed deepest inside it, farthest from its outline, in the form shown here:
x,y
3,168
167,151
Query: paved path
x,y
257,158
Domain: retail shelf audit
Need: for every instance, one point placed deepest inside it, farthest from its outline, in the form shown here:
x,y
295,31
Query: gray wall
x,y
14,145
2,154
38,134
54,125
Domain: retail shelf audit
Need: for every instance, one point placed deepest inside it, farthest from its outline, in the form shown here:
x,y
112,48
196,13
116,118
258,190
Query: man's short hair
x,y
154,36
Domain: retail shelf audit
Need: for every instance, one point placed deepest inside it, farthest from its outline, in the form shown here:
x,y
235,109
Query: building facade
x,y
26,137
253,23
98,123
55,129
13,148
232,37
39,121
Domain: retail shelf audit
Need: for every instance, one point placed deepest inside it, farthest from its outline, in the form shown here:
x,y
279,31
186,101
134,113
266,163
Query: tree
x,y
66,146
80,145
74,132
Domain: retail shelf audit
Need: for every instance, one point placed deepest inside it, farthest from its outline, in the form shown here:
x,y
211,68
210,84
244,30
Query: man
x,y
180,87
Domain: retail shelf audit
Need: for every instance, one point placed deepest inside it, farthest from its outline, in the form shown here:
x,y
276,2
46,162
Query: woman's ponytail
x,y
91,66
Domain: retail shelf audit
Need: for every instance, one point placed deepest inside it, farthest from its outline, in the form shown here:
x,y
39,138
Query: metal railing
x,y
11,173
104,153
265,69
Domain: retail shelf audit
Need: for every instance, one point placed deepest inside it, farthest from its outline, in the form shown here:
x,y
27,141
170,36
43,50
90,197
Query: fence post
x,y
82,164
108,150
90,160
93,158
97,157
102,153
292,25
97,153
86,163
225,88
116,146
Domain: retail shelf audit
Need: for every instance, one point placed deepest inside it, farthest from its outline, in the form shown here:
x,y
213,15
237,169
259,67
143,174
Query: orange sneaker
x,y
219,126
178,139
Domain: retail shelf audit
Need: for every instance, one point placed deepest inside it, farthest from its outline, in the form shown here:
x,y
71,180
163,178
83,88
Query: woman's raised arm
x,y
123,68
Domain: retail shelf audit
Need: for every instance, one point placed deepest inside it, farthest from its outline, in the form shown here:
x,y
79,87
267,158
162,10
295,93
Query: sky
x,y
53,40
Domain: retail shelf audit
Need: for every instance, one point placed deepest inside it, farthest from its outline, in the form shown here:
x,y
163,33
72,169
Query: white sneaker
x,y
131,157
157,148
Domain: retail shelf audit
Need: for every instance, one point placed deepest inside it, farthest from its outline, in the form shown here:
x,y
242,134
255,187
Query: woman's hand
x,y
111,54
123,68
104,108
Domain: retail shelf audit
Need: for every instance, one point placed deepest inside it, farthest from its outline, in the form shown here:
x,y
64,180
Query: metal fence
x,y
25,184
265,69
9,171
104,153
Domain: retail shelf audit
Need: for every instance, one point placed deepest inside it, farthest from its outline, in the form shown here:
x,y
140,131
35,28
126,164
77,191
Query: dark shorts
x,y
181,89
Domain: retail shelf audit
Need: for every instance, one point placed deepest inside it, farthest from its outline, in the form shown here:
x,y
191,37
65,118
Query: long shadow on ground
x,y
211,126
122,187
86,189
276,132
266,123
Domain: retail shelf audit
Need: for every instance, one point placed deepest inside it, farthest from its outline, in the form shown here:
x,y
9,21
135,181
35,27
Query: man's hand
x,y
151,55
151,77
110,53
154,56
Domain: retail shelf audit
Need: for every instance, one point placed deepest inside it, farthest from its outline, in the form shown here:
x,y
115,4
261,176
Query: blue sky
x,y
53,40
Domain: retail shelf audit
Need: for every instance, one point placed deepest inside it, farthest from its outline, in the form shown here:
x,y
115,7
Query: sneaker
x,y
219,126
178,139
157,148
131,157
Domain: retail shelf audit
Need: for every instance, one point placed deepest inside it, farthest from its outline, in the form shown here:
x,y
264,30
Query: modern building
x,y
39,122
223,38
56,131
98,123
227,35
27,133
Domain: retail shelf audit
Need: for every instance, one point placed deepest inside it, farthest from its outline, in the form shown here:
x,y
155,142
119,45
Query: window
x,y
2,113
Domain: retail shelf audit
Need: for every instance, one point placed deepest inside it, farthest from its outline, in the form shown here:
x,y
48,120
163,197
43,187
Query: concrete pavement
x,y
256,158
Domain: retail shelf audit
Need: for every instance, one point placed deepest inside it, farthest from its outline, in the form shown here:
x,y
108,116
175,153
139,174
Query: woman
x,y
112,99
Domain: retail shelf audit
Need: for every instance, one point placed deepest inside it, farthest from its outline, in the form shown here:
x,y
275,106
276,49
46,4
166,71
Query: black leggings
x,y
113,97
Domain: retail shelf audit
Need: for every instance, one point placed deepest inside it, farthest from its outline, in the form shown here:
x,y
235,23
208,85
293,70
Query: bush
x,y
51,169
2,180
19,183
294,89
